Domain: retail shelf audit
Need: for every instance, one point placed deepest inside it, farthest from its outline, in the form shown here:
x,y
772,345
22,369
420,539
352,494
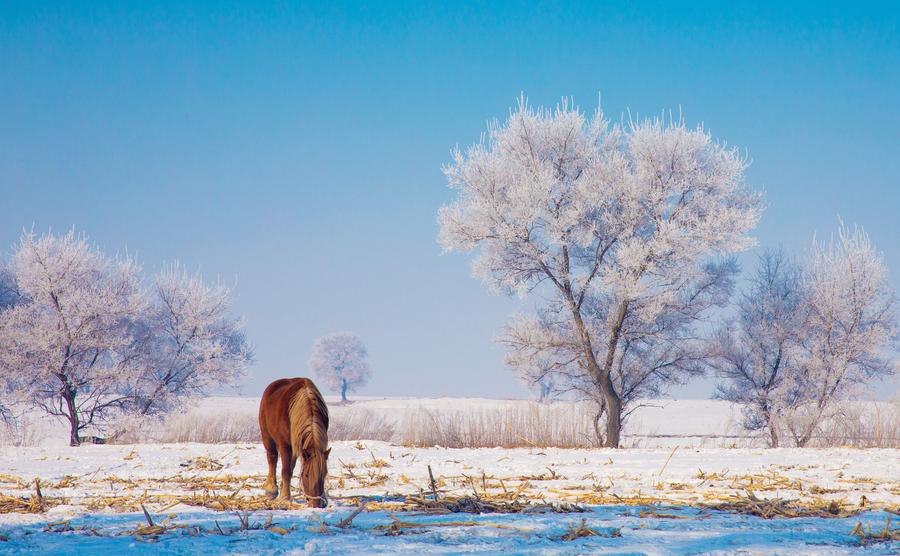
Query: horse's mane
x,y
309,421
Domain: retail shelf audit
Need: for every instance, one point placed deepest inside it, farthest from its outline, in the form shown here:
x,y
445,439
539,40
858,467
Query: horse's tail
x,y
309,419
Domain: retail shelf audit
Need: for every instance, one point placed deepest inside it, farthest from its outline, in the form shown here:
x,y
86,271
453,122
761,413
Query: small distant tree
x,y
66,343
806,339
339,361
613,230
190,342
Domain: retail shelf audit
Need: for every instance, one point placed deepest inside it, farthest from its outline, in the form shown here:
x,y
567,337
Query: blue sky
x,y
294,150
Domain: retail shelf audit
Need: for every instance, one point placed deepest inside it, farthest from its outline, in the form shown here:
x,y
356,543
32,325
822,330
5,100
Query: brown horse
x,y
293,421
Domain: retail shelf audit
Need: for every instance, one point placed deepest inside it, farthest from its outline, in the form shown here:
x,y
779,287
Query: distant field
x,y
479,422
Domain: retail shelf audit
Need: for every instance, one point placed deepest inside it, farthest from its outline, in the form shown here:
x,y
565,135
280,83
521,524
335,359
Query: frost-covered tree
x,y
190,341
806,339
81,338
66,344
612,229
756,355
849,331
650,355
339,360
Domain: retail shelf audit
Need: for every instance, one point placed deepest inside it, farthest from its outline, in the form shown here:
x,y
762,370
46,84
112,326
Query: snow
x,y
678,476
613,484
709,533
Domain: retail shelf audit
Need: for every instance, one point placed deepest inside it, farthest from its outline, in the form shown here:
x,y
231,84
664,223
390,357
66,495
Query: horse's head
x,y
312,476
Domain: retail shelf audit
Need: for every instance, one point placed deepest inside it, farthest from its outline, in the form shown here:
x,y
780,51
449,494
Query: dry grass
x,y
867,536
495,503
208,429
530,425
36,503
777,507
519,425
347,423
358,423
565,425
872,425
581,530
526,425
24,432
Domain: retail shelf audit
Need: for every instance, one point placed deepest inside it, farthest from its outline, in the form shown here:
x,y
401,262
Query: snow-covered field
x,y
653,500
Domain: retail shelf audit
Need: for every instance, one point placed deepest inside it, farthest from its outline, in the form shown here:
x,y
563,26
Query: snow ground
x,y
599,476
695,532
96,490
101,485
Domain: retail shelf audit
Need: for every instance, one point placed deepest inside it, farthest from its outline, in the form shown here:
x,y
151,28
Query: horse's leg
x,y
292,465
271,486
287,470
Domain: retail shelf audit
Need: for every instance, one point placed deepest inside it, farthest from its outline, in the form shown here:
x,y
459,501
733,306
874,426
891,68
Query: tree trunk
x,y
773,433
598,433
764,409
68,394
343,390
602,377
613,401
613,416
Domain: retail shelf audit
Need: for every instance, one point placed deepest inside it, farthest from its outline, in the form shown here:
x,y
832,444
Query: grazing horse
x,y
293,421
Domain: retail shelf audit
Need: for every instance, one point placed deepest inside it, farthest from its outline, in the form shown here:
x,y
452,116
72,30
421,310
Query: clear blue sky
x,y
295,150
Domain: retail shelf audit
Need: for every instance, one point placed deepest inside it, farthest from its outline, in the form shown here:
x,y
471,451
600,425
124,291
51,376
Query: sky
x,y
294,150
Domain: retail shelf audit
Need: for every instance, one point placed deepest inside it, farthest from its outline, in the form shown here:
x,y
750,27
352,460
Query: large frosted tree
x,y
613,230
66,343
339,360
82,338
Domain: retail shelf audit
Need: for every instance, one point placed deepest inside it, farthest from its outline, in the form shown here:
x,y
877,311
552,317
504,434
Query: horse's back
x,y
283,389
274,406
